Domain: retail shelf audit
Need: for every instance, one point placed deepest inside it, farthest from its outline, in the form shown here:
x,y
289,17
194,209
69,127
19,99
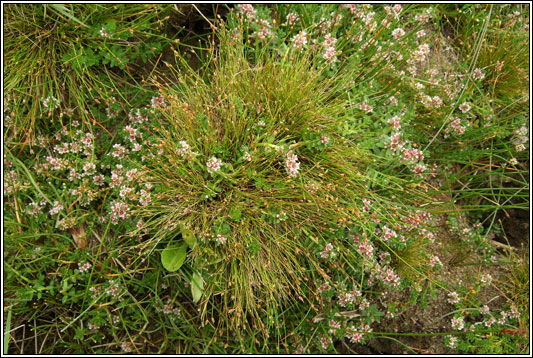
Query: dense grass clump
x,y
255,168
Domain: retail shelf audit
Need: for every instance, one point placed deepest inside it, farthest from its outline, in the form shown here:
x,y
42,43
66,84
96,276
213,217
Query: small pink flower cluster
x,y
366,205
397,33
395,144
412,155
114,289
248,10
365,248
324,286
292,165
384,258
56,163
57,208
35,208
136,117
458,323
265,31
435,261
351,298
145,198
324,140
282,216
50,100
300,39
425,17
365,107
334,326
453,297
486,279
213,165
84,267
118,210
419,55
328,250
330,55
465,107
325,341
169,309
183,150
104,33
95,290
158,102
419,170
133,133
354,335
395,122
119,151
478,74
388,276
452,341
431,102
126,347
221,240
292,18
388,234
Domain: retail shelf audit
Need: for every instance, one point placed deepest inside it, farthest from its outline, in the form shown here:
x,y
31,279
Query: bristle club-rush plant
x,y
258,197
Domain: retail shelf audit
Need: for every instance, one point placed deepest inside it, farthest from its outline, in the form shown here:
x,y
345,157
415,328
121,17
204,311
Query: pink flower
x,y
435,261
365,107
465,107
478,74
291,18
158,102
395,122
353,336
300,39
397,33
104,33
213,165
330,55
119,151
329,41
453,297
221,239
98,180
57,208
395,143
247,10
292,165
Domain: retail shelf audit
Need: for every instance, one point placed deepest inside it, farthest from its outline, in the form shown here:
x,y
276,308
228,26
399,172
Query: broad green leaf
x,y
189,237
173,256
197,287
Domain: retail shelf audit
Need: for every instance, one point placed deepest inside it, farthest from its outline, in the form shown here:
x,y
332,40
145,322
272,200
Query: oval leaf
x,y
174,256
197,287
189,237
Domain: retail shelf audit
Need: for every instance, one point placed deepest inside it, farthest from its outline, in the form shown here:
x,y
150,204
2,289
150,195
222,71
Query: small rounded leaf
x,y
174,256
